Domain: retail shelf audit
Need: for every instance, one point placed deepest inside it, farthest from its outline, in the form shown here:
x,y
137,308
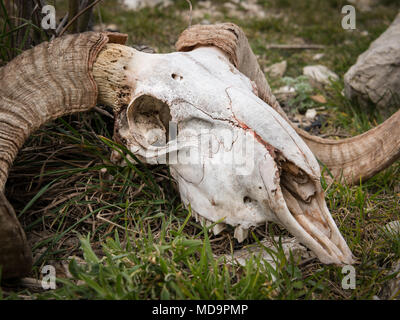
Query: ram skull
x,y
234,157
207,112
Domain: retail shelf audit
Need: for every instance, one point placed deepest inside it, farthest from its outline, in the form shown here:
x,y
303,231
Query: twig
x,y
78,15
104,112
100,217
102,26
190,12
62,23
295,46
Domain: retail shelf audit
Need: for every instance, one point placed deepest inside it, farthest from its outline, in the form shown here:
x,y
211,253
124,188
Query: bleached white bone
x,y
234,157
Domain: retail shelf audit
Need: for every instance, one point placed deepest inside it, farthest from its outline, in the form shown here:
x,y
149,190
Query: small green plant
x,y
302,101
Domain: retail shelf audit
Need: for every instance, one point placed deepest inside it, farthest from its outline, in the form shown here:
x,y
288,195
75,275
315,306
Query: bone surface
x,y
230,150
290,246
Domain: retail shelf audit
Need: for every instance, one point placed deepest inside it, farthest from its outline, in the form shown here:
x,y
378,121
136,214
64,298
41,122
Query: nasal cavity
x,y
176,77
248,200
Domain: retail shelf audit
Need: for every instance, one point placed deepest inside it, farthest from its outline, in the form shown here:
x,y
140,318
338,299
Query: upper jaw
x,y
268,193
316,229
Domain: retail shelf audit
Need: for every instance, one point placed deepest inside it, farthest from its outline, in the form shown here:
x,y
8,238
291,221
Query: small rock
x,y
363,5
284,94
277,70
105,27
318,98
140,4
254,9
318,56
230,6
320,74
112,28
311,114
205,4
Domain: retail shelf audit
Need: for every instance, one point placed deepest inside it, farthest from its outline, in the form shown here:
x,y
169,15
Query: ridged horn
x,y
359,157
53,79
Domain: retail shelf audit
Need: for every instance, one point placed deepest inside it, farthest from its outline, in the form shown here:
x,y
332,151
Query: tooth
x,y
218,228
207,222
201,220
240,234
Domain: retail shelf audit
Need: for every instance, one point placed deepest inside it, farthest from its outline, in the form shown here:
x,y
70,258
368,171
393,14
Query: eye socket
x,y
148,119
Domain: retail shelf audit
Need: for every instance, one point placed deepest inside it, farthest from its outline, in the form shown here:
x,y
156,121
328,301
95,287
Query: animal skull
x,y
235,158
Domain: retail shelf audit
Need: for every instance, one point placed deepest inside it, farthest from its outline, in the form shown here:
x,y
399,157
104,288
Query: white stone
x,y
139,4
277,70
311,114
318,56
363,5
285,93
320,74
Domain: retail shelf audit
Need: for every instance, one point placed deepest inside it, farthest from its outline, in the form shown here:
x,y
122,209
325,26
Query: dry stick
x,y
100,19
190,12
104,112
295,46
100,217
61,25
78,15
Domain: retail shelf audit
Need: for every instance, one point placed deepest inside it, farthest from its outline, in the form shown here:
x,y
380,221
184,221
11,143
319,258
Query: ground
x,y
126,227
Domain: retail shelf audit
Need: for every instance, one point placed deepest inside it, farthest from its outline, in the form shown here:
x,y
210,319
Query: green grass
x,y
125,226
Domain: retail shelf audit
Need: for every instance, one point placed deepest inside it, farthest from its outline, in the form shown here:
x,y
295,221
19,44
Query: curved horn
x,y
359,157
49,81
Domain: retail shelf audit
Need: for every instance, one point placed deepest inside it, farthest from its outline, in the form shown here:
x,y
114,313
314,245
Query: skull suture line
x,y
221,122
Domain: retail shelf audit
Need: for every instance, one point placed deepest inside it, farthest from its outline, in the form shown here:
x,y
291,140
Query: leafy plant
x,y
301,102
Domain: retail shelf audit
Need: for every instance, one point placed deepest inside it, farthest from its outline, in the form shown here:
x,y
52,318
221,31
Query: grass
x,y
115,232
